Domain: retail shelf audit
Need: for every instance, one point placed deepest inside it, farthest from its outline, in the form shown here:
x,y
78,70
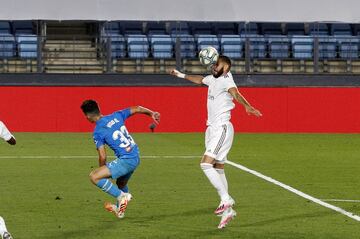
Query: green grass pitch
x,y
45,192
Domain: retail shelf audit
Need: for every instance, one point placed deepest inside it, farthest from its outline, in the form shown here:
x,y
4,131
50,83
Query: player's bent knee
x,y
205,166
93,178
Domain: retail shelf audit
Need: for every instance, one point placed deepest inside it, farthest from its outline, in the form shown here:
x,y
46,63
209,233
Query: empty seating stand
x,y
155,28
203,28
225,28
161,46
327,48
302,47
118,45
232,46
5,27
348,47
27,45
257,46
279,46
187,45
7,46
207,40
137,46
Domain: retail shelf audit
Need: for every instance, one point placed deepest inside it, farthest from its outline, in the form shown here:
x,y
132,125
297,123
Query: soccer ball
x,y
208,56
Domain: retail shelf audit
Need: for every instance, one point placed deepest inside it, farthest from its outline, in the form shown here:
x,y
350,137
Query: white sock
x,y
221,172
215,180
2,226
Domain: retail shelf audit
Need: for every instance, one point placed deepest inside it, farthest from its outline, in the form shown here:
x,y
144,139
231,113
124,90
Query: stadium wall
x,y
183,109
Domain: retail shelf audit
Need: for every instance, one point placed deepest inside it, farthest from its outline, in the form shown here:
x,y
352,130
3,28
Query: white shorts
x,y
218,141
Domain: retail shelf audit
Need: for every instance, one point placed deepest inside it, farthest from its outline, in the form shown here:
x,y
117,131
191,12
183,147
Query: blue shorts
x,y
123,167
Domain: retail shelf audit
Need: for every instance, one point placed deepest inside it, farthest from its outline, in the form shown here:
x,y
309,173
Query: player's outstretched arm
x,y
197,79
142,110
241,99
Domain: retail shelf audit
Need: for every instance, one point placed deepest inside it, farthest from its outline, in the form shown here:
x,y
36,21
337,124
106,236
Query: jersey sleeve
x,y
125,113
98,139
207,80
4,132
229,82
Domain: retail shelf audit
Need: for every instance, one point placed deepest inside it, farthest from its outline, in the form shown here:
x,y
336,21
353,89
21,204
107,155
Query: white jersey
x,y
219,101
4,132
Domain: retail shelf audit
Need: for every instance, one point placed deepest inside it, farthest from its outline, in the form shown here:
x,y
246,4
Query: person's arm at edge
x,y
241,99
142,110
197,79
102,155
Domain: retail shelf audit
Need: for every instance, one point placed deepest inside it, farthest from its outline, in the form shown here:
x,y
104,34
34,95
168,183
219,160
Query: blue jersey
x,y
110,130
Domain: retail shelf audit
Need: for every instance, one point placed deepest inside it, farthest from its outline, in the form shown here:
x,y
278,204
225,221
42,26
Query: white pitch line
x,y
339,200
293,190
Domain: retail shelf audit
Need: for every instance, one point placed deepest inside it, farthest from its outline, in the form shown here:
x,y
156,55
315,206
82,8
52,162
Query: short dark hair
x,y
90,107
225,59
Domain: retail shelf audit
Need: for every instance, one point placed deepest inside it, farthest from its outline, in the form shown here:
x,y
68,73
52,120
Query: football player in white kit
x,y
220,132
6,135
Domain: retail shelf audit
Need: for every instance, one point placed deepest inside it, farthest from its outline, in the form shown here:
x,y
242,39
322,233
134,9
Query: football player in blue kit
x,y
110,130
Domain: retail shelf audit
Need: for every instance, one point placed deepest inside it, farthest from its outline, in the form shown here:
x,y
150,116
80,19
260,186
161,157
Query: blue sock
x,y
125,189
107,186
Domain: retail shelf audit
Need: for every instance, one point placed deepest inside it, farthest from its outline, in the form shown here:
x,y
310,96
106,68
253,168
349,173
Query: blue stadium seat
x,y
224,28
155,28
271,29
118,45
295,29
161,46
348,47
179,28
130,27
138,46
279,46
23,27
27,45
5,27
205,40
318,29
232,46
341,29
112,28
257,46
7,46
203,28
327,47
302,47
250,28
187,45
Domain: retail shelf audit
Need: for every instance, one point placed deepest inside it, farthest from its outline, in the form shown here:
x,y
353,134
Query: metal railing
x,y
250,54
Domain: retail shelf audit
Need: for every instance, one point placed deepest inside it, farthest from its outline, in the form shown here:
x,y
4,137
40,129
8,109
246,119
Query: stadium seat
x,y
341,29
250,28
327,48
118,45
204,40
155,28
5,27
224,28
131,27
187,45
318,29
257,46
295,29
27,45
203,28
112,28
138,46
23,27
279,46
179,28
271,29
348,47
302,47
7,46
232,46
161,46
